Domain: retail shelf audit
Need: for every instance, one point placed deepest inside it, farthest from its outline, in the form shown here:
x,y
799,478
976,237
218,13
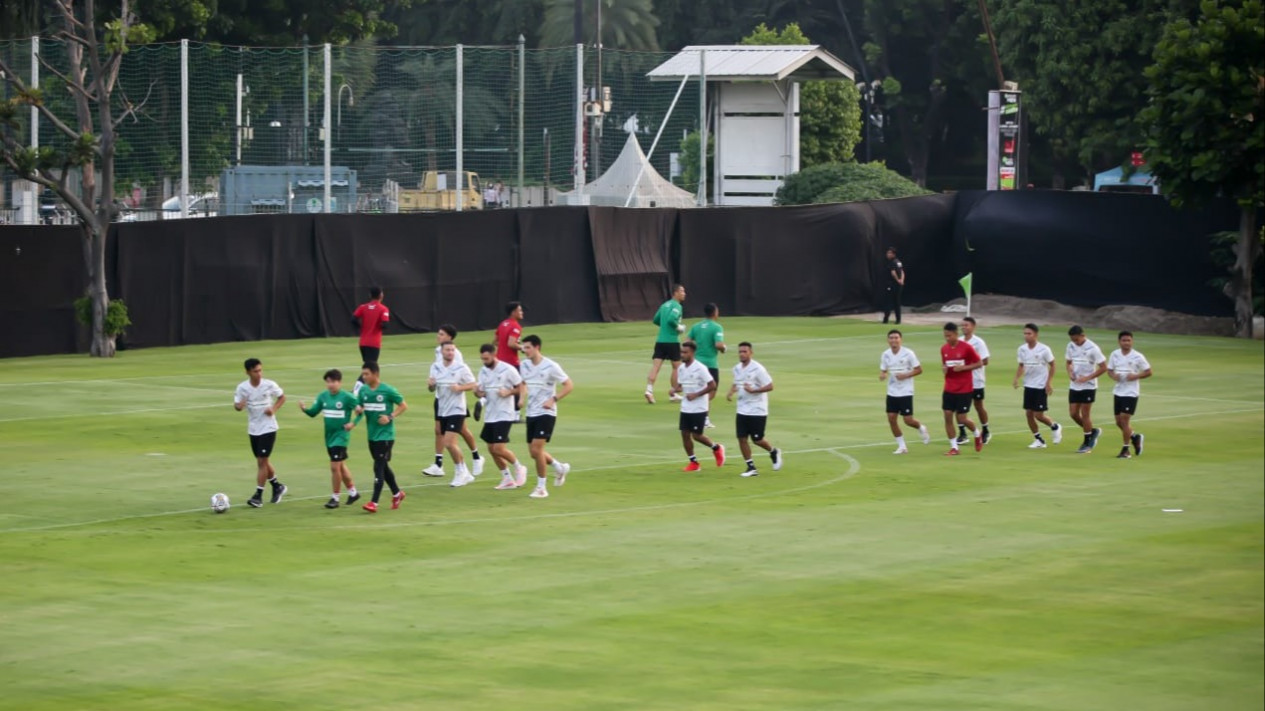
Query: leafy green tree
x,y
830,111
253,22
845,182
689,163
626,24
1205,124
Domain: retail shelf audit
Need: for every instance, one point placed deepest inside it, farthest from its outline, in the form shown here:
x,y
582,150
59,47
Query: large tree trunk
x,y
1240,285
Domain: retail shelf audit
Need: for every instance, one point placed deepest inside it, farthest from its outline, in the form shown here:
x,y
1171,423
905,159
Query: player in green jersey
x,y
709,335
380,404
337,407
667,345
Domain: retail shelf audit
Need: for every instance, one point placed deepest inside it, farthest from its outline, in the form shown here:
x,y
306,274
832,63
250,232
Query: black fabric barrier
x,y
632,256
557,281
42,272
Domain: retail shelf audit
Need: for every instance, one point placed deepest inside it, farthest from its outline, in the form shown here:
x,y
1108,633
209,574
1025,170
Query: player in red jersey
x,y
507,346
958,359
371,319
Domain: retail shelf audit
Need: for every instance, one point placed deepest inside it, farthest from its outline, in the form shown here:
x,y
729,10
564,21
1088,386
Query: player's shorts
x,y
437,417
381,449
1035,399
901,405
496,432
262,445
1078,397
370,354
751,426
956,402
978,395
667,351
541,427
337,454
1126,405
693,422
715,376
452,423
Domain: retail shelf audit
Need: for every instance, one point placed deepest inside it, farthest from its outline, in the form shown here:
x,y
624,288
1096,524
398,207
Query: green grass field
x,y
852,579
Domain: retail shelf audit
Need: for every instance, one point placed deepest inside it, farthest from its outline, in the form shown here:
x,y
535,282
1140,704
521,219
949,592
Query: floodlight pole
x,y
32,204
184,128
461,198
579,119
522,96
702,128
329,189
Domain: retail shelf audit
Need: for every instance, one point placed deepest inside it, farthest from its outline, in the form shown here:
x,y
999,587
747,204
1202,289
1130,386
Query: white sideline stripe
x,y
1201,399
70,415
116,381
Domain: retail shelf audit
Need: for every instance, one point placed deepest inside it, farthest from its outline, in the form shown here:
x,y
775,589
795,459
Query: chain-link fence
x,y
368,128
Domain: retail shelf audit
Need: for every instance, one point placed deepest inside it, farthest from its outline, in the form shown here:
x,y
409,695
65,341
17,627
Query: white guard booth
x,y
753,102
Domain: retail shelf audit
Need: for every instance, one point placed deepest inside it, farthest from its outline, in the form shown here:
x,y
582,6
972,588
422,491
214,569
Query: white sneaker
x,y
649,396
433,470
560,473
926,436
901,450
778,458
1037,444
461,478
539,492
1058,435
478,466
709,425
507,482
520,475
750,473
674,397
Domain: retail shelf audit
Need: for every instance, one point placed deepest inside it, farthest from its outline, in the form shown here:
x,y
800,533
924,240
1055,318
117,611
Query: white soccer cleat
x,y
539,492
433,470
520,474
674,397
461,478
507,482
560,473
1037,444
926,436
750,473
901,450
649,396
478,466
1058,435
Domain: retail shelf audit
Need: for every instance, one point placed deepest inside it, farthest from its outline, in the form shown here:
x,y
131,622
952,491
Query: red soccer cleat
x,y
979,444
396,499
692,467
720,455
370,507
952,453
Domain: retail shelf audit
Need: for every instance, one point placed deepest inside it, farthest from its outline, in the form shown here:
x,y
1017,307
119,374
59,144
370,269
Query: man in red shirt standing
x,y
507,347
371,319
958,359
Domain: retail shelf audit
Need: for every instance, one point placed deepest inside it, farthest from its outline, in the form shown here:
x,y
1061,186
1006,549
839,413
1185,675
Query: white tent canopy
x,y
631,173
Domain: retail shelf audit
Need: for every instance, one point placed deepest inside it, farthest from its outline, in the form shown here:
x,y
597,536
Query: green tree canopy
x,y
845,182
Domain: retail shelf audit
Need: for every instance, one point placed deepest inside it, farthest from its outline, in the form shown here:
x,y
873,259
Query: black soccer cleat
x,y
331,504
255,501
278,490
962,438
1093,438
987,435
1124,453
1137,443
478,410
353,498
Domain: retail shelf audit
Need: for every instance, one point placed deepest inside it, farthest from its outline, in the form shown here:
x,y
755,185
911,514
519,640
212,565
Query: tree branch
x,y
129,108
16,81
73,86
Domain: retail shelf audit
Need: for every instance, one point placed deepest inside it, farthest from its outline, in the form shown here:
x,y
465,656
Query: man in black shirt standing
x,y
895,284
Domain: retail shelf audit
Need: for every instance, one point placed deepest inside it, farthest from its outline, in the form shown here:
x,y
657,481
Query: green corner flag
x,y
966,286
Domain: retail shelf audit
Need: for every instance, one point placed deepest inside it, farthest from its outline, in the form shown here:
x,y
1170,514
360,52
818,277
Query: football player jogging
x,y
753,384
981,349
667,344
499,383
958,359
450,379
336,407
547,385
1127,367
1085,362
1036,369
447,333
261,398
380,404
692,381
371,319
899,366
709,335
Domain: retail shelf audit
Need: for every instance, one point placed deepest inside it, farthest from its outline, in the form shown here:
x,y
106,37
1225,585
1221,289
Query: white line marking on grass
x,y
72,415
1201,399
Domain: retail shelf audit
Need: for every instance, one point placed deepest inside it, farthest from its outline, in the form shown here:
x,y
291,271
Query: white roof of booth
x,y
800,62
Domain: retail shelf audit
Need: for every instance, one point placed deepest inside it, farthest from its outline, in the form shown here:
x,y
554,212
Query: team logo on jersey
x,y
338,405
379,398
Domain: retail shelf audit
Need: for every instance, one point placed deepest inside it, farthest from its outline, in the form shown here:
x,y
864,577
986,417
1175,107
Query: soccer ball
x,y
219,503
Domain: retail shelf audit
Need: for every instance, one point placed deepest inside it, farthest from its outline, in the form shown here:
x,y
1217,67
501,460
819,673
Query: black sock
x,y
715,447
259,492
750,464
378,467
390,477
439,460
1054,426
475,454
693,458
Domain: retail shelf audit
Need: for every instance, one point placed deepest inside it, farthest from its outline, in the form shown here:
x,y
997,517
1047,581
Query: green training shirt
x,y
337,411
707,333
381,401
668,318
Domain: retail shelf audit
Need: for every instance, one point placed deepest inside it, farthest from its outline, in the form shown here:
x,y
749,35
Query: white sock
x,y
649,388
351,491
979,433
506,473
557,466
334,496
953,443
540,482
900,442
922,429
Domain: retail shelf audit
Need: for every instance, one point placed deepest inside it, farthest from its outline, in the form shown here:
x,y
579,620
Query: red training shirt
x,y
509,328
372,316
961,354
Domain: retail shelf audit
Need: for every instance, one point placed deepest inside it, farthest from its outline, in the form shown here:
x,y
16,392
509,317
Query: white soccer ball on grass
x,y
219,502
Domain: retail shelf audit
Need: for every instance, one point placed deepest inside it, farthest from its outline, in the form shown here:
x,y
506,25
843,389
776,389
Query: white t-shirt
x,y
1122,365
450,403
902,361
542,383
977,375
491,382
693,378
752,404
257,400
1036,365
456,356
1085,359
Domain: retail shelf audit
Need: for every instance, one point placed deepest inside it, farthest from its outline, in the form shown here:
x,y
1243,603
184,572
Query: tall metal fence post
x,y
184,129
329,128
31,208
702,128
522,100
578,162
307,110
460,126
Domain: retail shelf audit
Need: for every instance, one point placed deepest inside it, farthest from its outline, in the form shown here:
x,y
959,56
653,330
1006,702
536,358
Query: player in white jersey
x,y
899,366
447,333
450,381
261,398
1036,372
692,381
499,384
547,385
753,384
977,378
1127,366
1085,362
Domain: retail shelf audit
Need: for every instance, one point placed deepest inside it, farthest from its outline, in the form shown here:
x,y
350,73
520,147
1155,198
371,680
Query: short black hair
x,y
896,331
251,363
512,306
1122,334
892,250
746,344
970,320
375,292
1032,327
449,329
690,345
950,326
677,287
532,339
334,374
487,348
371,366
710,309
1075,331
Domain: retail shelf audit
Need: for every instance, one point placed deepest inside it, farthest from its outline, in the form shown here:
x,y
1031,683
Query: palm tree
x,y
626,24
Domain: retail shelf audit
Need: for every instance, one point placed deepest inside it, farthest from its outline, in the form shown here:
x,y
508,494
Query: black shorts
x,y
751,426
1126,405
715,376
262,445
978,395
369,353
496,432
337,454
1035,399
1076,397
900,405
381,449
693,422
956,402
452,423
437,417
667,351
541,427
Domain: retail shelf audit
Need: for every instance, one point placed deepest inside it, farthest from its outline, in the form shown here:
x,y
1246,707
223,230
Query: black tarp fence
x,y
298,276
